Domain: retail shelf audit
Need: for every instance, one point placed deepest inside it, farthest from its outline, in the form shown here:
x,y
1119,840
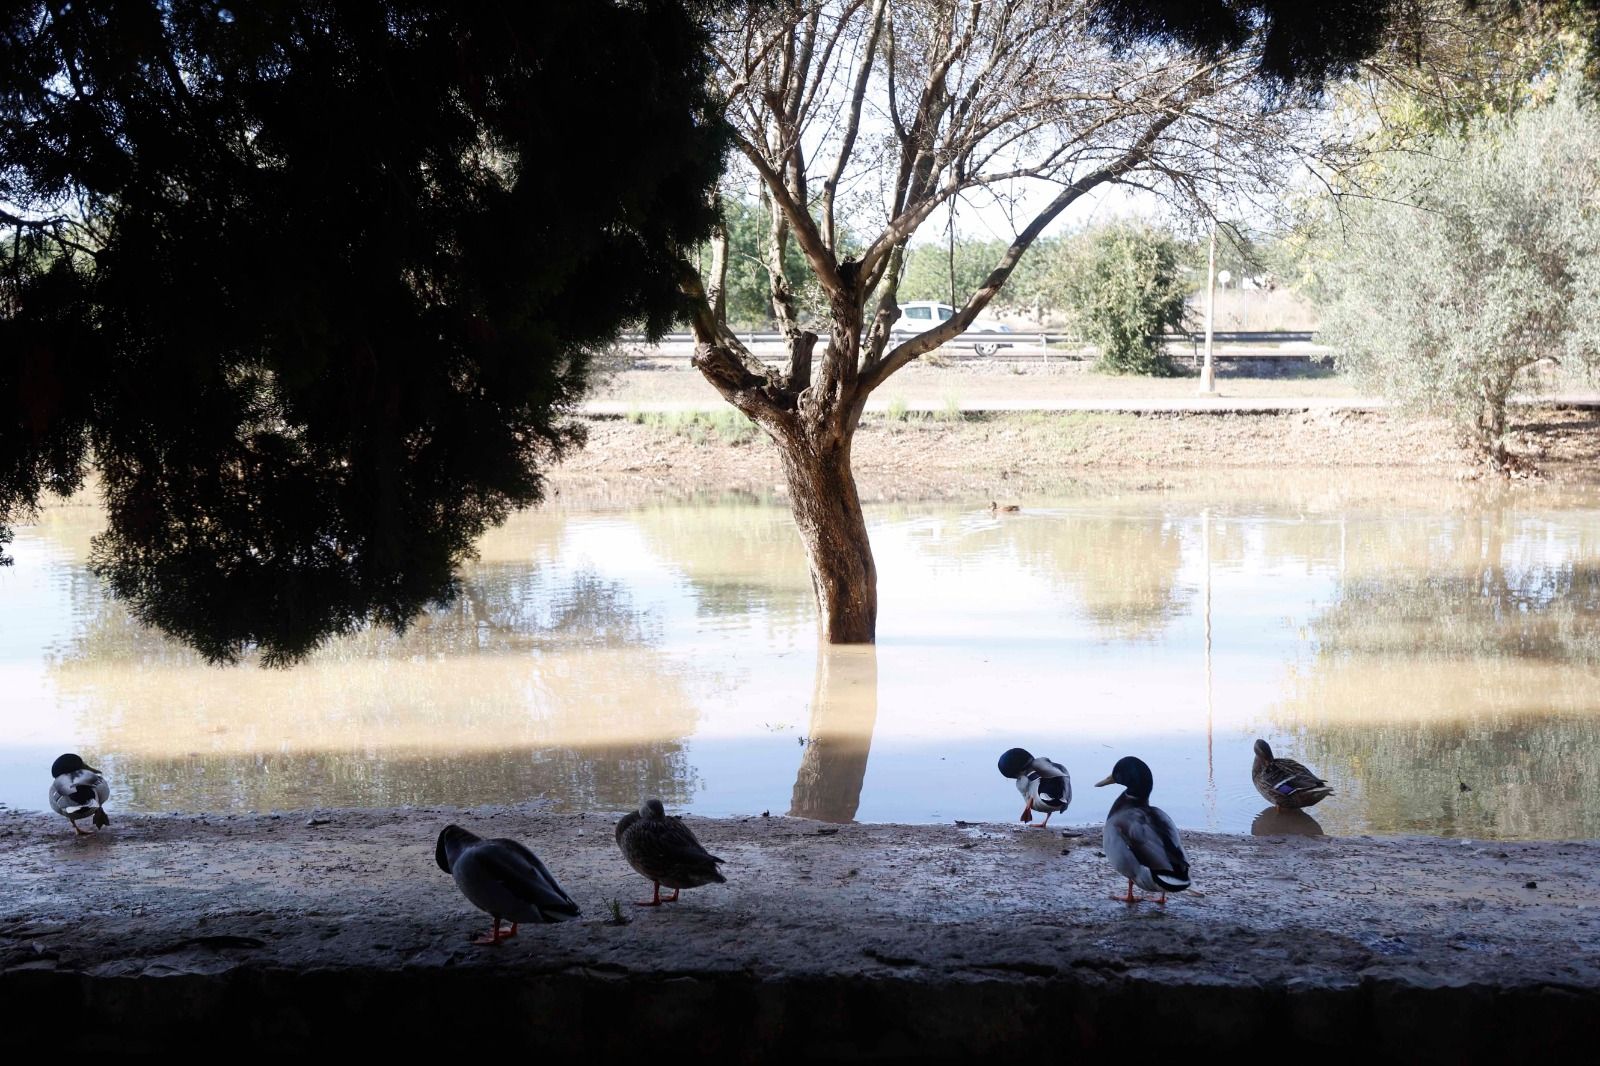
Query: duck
x,y
503,879
1045,785
1285,783
665,851
1142,841
1005,508
79,791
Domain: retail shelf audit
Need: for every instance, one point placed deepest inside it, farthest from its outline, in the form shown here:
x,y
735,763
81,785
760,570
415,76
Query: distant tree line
x,y
1045,287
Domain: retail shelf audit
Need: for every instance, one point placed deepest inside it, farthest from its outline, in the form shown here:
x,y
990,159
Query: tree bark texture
x,y
827,511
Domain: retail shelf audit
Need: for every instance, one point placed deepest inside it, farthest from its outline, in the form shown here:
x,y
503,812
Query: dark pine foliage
x,y
314,285
1303,43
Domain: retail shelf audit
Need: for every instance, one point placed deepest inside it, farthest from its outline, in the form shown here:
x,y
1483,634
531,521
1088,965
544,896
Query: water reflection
x,y
1397,638
541,680
1280,822
1120,561
1481,665
844,710
740,557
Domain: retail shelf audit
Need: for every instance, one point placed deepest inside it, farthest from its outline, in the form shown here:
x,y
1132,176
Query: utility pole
x,y
1208,373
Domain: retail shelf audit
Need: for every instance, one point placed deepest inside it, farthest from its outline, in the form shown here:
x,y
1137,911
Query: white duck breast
x,y
1143,845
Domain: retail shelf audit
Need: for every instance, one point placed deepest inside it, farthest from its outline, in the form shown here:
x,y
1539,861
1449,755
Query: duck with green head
x,y
1142,841
79,791
1044,784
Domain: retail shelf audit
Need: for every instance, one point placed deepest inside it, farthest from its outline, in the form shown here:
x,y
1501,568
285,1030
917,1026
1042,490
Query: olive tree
x,y
1123,285
882,114
1476,261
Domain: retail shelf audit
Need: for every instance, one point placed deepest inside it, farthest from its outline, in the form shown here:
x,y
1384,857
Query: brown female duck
x,y
1285,783
665,850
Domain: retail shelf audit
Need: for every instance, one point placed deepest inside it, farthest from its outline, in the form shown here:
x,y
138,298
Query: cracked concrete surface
x,y
856,941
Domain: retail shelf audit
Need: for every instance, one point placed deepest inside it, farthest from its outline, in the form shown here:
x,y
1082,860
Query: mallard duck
x,y
1140,840
503,879
78,791
1045,785
1007,508
1285,783
665,850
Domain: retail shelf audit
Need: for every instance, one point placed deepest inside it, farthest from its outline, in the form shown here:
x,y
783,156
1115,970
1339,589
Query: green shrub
x,y
1123,287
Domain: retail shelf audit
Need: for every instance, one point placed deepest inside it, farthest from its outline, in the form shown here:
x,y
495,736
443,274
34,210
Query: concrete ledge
x,y
863,942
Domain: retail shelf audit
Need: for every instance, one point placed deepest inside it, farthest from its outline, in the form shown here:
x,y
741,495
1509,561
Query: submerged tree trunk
x,y
827,510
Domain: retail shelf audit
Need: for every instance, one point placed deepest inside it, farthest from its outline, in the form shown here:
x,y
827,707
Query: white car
x,y
919,316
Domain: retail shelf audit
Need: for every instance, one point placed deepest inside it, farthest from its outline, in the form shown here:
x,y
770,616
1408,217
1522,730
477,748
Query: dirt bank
x,y
932,457
889,941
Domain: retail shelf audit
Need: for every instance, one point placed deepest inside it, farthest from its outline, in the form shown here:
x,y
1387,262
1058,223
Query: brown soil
x,y
922,458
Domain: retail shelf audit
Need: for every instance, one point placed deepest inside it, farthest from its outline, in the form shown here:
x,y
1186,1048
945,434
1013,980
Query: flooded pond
x,y
1403,640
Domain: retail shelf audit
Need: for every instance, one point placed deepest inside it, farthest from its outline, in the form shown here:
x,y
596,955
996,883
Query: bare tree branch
x,y
858,96
879,371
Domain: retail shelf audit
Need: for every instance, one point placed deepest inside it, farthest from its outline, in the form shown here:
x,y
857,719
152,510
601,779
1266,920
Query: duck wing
x,y
1153,839
627,821
78,790
507,868
1286,777
1054,783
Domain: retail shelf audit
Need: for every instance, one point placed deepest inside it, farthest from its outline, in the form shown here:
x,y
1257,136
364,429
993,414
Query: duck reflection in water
x,y
1285,822
844,710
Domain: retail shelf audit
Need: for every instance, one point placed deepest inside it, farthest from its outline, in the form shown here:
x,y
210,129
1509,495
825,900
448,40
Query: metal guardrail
x,y
1042,338
1019,345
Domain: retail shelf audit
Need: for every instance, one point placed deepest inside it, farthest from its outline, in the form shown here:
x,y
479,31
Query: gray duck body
x,y
665,850
503,878
1143,845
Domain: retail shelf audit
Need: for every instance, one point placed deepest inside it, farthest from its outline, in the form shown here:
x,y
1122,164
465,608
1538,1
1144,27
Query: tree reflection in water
x,y
844,710
1401,641
490,700
1473,657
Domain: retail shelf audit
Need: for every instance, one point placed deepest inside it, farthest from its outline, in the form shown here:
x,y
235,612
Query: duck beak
x,y
91,769
1106,781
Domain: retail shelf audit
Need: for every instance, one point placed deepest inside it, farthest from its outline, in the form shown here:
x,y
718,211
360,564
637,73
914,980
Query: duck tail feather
x,y
1169,880
100,820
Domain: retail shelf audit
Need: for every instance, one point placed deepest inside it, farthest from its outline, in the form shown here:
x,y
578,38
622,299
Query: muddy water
x,y
1402,639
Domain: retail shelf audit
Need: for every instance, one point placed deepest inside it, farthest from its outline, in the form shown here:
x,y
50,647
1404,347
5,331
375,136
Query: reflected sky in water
x,y
1399,638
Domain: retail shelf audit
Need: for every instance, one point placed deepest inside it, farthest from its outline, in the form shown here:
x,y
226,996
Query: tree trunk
x,y
1492,426
822,496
